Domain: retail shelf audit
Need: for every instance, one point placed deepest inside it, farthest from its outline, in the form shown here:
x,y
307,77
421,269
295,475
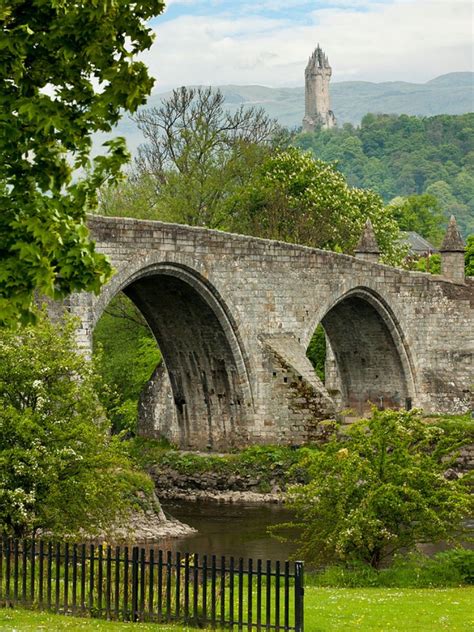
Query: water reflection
x,y
229,529
240,530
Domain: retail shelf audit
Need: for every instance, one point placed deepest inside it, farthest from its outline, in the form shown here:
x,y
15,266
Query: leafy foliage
x,y
469,256
431,264
379,491
454,567
127,355
420,213
316,351
60,469
67,71
404,156
296,198
195,154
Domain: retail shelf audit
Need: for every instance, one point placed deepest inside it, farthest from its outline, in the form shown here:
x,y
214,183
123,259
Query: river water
x,y
239,530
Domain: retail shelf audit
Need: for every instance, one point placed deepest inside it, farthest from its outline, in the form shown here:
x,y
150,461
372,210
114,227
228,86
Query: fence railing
x,y
138,584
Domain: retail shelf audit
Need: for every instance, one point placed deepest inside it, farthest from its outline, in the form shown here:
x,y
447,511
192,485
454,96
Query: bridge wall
x,y
395,335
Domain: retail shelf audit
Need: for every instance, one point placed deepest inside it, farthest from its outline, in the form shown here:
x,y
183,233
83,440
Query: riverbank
x,y
262,474
149,526
258,474
185,489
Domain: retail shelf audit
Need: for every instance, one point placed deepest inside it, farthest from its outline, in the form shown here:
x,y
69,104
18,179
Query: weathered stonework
x,y
368,248
452,253
318,111
233,317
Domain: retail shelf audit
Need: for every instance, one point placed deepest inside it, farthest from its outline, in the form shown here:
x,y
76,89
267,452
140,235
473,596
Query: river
x,y
239,530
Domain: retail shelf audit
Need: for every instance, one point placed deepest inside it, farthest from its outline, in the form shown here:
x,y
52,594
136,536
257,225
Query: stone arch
x,y
201,346
371,363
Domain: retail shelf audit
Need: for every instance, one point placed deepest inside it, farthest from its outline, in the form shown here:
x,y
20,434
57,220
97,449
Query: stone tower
x,y
318,111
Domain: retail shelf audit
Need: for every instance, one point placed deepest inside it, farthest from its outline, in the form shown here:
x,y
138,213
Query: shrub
x,y
454,567
60,468
380,491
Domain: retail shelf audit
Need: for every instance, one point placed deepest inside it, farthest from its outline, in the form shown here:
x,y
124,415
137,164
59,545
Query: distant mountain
x,y
351,100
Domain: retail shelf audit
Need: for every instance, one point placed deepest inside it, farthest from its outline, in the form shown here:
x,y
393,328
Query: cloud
x,y
412,40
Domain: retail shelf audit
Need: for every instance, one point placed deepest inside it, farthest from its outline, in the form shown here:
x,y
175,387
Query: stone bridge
x,y
233,317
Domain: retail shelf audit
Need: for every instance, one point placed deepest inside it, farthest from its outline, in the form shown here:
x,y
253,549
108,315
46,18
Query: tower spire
x,y
452,242
367,248
452,253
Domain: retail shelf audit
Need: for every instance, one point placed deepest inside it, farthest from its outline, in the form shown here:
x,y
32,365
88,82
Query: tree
x,y
296,198
420,213
127,354
316,352
379,491
68,70
469,256
405,156
60,468
134,196
196,152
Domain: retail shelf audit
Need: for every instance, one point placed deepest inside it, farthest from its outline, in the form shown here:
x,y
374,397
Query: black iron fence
x,y
138,584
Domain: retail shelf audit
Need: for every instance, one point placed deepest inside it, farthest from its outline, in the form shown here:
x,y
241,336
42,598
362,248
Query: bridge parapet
x,y
215,301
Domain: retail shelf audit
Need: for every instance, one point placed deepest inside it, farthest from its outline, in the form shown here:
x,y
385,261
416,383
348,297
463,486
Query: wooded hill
x,y
406,155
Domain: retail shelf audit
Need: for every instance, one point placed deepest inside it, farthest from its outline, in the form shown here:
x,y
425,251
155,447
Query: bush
x,y
60,468
454,567
379,491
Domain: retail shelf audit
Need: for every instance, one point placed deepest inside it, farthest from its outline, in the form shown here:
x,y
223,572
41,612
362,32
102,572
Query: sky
x,y
268,42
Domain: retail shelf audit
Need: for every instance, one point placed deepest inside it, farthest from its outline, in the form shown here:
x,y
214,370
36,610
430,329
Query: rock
x,y
171,484
451,475
222,496
253,482
149,526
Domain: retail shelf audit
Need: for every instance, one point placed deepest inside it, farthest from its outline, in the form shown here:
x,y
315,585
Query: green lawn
x,y
383,609
326,610
33,621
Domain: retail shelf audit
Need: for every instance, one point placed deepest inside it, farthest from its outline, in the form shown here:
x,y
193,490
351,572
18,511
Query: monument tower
x,y
318,111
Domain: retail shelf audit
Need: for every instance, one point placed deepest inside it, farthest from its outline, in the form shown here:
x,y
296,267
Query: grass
x,y
20,620
384,609
326,610
446,569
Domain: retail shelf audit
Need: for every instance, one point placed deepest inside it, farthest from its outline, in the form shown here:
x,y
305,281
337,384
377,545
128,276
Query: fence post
x,y
32,569
7,572
299,597
24,570
135,583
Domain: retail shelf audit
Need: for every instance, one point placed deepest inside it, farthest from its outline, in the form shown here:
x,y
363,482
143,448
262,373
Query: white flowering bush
x,y
296,198
379,491
60,468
